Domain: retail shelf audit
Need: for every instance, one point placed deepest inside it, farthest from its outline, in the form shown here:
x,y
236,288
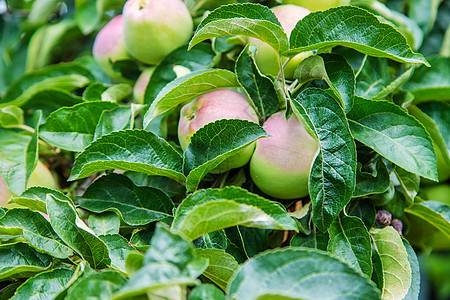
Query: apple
x,y
154,28
281,164
109,47
5,194
213,106
41,176
316,5
266,57
141,85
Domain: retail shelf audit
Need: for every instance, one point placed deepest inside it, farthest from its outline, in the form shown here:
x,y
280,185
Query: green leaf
x,y
414,289
99,285
209,210
333,172
316,240
72,231
221,267
391,132
105,223
431,83
377,274
435,213
216,240
43,286
215,142
299,273
350,240
390,15
20,260
205,292
50,40
437,127
394,260
375,82
258,87
135,205
350,26
35,197
198,58
49,100
11,116
36,230
119,249
133,262
247,19
68,76
189,87
250,240
133,150
335,70
424,13
170,261
409,183
364,210
73,128
117,92
375,182
18,155
120,118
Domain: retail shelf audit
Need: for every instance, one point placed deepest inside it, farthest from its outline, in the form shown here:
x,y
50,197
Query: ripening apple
x,y
281,164
141,85
266,57
316,5
41,176
213,106
154,28
109,47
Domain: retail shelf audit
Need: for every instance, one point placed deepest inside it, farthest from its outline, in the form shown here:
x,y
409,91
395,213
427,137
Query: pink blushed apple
x,y
266,57
213,106
109,47
281,164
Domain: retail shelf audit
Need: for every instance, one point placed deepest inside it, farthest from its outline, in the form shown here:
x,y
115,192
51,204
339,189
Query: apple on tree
x,y
316,5
141,85
109,47
41,176
213,106
154,28
266,57
281,164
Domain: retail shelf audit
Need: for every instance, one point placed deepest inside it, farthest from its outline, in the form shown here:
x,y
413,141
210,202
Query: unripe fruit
x,y
41,176
266,57
281,164
141,85
109,47
154,28
213,106
5,194
316,5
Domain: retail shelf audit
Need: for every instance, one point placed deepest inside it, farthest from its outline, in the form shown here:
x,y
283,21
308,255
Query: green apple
x,y
5,194
109,47
316,5
281,163
266,57
213,106
141,85
154,28
41,176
